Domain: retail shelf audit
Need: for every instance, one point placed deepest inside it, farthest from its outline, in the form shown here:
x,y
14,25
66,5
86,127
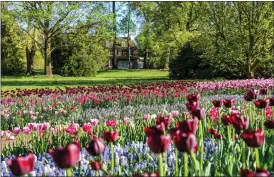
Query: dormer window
x,y
123,44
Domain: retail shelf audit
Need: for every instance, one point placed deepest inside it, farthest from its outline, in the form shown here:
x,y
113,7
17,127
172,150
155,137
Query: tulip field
x,y
216,128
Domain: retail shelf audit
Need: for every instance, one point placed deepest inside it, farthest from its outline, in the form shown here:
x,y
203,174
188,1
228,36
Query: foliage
x,y
11,51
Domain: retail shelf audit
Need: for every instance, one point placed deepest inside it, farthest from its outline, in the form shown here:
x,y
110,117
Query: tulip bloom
x,y
218,136
228,103
262,104
16,130
189,125
239,122
166,120
259,172
158,143
212,131
66,157
21,165
147,175
86,127
185,142
254,138
111,136
111,123
226,119
158,129
269,124
191,106
250,95
271,101
263,91
217,103
96,147
96,165
199,113
193,98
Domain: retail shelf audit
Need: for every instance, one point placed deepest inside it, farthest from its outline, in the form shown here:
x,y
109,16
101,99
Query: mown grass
x,y
110,77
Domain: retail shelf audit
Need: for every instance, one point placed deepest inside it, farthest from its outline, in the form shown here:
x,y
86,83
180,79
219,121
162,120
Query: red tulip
x,y
158,129
86,127
228,103
111,136
239,122
166,120
96,165
189,125
158,143
199,113
191,106
217,103
96,147
21,165
226,119
66,157
155,174
271,101
185,142
254,138
269,124
218,136
193,98
258,173
262,104
251,95
263,91
212,131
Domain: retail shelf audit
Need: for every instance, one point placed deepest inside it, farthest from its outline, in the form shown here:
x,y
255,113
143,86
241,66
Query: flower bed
x,y
171,134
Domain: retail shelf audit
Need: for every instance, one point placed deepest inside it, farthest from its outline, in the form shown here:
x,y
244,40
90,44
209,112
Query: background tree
x,y
11,48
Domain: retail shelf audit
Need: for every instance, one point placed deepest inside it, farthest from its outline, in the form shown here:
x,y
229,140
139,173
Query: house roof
x,y
121,42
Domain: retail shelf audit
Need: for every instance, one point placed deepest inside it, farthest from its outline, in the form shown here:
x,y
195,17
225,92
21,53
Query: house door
x,y
123,64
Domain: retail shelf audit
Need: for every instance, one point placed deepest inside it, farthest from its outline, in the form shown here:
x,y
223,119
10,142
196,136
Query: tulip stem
x,y
257,157
69,172
160,165
195,162
263,117
229,133
112,157
176,163
244,156
185,156
97,173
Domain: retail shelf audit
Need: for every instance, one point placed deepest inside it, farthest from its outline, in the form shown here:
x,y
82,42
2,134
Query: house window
x,y
123,44
119,52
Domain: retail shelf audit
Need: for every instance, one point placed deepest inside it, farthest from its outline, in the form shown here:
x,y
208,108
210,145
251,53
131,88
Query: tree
x,y
49,19
11,48
237,36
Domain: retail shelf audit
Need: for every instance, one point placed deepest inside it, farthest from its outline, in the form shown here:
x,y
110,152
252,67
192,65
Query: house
x,y
121,53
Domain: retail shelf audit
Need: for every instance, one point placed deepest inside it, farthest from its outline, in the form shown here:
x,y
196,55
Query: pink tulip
x,y
46,126
86,127
26,130
146,117
11,138
7,133
126,120
111,123
94,122
175,113
16,130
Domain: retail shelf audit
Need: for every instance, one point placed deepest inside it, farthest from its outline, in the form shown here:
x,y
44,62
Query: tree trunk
x,y
145,59
48,53
47,56
30,53
114,59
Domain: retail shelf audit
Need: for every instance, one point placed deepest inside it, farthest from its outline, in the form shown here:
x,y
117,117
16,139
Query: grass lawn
x,y
111,77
